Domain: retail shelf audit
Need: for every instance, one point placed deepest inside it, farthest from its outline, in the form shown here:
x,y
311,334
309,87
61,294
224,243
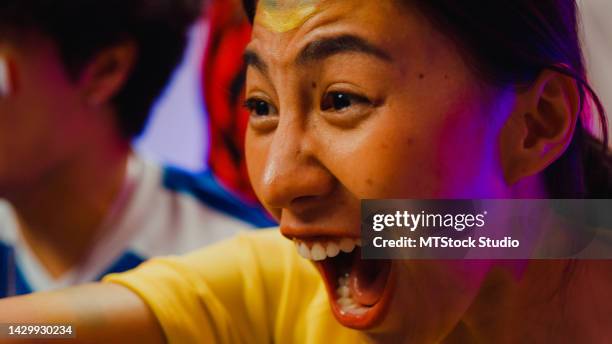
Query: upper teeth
x,y
319,250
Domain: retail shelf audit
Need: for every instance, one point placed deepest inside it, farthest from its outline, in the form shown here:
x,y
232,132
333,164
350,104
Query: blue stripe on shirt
x,y
205,188
12,274
12,281
127,261
5,256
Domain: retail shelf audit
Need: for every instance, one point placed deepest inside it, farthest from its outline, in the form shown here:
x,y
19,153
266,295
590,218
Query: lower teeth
x,y
344,299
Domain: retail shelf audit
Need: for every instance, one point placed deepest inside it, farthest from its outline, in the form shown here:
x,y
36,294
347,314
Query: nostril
x,y
303,201
310,206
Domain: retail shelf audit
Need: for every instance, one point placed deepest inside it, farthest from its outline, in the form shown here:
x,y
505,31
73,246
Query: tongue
x,y
367,279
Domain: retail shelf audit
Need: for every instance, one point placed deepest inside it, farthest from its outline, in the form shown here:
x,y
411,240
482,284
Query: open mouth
x,y
359,290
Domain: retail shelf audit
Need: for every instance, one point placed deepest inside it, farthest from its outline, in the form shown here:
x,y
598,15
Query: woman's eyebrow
x,y
251,59
326,47
321,49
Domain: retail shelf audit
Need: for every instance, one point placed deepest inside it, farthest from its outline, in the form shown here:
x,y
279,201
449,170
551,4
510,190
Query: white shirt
x,y
159,211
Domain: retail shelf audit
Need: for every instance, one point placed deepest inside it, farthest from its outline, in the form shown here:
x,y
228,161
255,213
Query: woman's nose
x,y
294,178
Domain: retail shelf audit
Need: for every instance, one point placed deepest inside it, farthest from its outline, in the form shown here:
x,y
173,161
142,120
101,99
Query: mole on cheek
x,y
421,76
314,84
370,182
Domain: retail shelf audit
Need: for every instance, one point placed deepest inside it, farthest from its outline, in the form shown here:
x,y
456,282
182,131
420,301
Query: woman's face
x,y
361,99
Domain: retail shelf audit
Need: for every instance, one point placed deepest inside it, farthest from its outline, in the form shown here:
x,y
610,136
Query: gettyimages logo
x,y
412,222
486,229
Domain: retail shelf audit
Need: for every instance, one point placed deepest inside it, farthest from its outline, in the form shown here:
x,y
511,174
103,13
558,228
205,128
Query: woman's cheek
x,y
379,161
256,151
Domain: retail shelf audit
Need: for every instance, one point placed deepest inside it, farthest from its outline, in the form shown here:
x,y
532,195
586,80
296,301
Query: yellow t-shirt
x,y
254,288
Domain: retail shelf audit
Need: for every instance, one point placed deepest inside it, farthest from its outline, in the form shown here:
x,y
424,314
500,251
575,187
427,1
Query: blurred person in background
x,y
78,79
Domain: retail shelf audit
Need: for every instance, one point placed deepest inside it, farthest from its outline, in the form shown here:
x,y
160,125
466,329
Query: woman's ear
x,y
541,126
105,75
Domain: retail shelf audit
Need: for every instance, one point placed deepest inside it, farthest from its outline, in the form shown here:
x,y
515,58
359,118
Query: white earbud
x,y
5,78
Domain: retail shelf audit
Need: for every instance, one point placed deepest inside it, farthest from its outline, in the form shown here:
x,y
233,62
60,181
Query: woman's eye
x,y
338,101
259,108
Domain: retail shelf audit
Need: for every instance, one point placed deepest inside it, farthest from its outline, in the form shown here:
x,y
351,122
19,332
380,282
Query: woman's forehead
x,y
285,15
377,23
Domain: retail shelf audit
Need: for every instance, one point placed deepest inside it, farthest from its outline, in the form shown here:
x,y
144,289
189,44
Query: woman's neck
x,y
550,301
532,187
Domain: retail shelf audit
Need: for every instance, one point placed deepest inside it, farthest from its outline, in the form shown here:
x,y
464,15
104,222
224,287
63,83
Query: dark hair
x,y
82,28
511,43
